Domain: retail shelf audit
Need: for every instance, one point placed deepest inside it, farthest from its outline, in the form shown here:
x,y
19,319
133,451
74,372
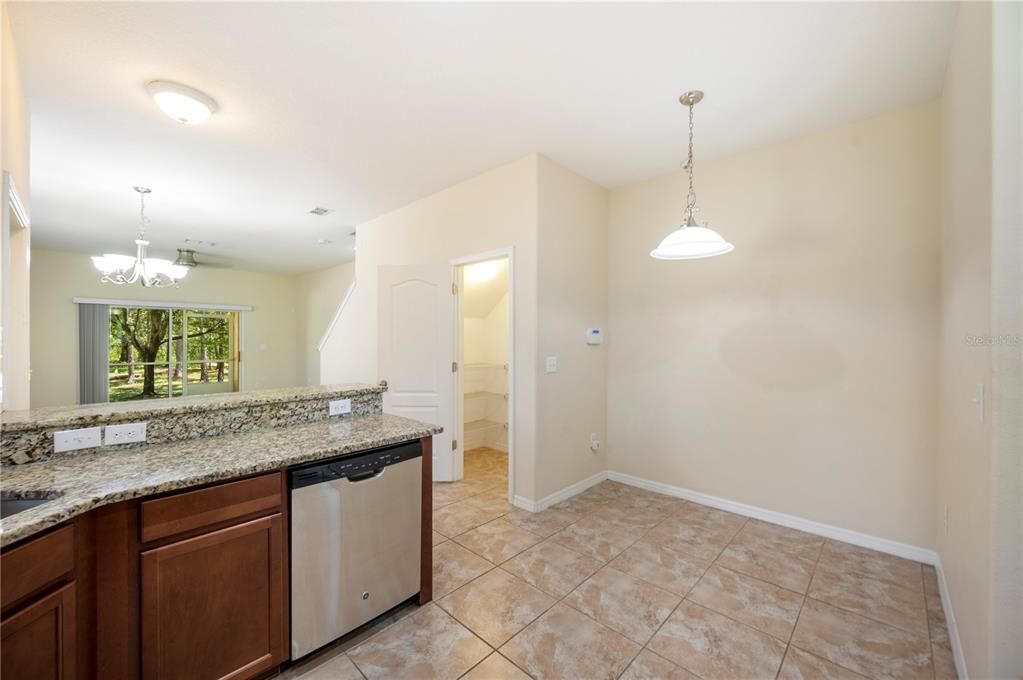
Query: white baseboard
x,y
558,496
910,552
950,620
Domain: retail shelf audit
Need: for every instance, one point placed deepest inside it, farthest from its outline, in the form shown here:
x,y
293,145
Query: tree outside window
x,y
158,353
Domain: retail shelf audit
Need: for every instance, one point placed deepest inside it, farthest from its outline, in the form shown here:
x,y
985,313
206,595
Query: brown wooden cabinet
x,y
213,606
39,640
39,599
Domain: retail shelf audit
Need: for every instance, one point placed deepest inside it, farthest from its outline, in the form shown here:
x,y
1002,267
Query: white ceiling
x,y
365,107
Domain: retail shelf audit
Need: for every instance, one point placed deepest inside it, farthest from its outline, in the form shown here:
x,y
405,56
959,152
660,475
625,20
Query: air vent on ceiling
x,y
320,211
199,243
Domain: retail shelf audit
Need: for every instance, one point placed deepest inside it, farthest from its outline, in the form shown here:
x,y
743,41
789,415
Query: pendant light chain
x,y
691,196
142,213
142,191
691,240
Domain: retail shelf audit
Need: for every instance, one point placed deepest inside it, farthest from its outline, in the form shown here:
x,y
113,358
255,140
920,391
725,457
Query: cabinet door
x,y
38,642
213,605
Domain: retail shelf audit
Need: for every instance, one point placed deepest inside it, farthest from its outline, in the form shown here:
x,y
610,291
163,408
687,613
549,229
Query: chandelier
x,y
149,271
691,241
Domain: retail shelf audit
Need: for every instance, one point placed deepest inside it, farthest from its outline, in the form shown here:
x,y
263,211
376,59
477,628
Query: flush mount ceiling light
x,y
149,271
691,241
182,103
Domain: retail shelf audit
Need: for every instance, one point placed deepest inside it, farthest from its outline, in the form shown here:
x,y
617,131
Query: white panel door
x,y
415,315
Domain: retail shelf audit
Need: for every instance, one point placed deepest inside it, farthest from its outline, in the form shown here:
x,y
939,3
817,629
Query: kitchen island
x,y
171,559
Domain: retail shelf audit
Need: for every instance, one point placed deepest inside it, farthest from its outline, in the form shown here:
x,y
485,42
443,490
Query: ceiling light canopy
x,y
149,271
691,241
182,103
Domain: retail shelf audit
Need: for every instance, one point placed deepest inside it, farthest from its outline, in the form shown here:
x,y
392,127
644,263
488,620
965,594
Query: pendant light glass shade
x,y
691,243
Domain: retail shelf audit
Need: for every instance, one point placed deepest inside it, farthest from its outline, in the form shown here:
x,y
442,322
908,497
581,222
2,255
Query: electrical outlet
x,y
594,442
72,440
340,407
124,433
552,364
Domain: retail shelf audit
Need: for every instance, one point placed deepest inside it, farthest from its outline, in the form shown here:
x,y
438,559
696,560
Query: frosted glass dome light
x,y
691,243
182,103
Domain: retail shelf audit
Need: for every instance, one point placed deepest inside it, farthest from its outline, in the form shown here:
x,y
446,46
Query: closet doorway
x,y
484,349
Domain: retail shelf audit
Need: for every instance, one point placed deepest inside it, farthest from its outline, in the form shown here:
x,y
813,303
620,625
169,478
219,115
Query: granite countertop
x,y
85,481
83,416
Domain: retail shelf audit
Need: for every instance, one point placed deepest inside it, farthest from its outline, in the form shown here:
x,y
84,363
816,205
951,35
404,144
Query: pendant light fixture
x,y
149,271
691,241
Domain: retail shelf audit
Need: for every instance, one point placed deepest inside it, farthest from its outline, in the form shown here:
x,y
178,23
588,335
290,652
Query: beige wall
x,y
16,242
270,345
964,462
979,460
496,209
572,294
14,141
798,372
485,338
526,205
319,293
1007,357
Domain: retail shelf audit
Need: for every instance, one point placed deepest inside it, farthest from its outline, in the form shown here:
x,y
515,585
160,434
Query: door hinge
x,y
454,367
454,289
454,444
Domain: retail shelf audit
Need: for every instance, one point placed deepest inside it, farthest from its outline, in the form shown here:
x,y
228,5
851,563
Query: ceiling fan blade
x,y
213,265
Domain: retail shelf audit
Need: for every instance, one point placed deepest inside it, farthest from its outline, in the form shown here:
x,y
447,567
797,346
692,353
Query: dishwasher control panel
x,y
353,465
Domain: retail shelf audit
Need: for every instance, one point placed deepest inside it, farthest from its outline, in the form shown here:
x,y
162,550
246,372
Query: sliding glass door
x,y
208,352
156,352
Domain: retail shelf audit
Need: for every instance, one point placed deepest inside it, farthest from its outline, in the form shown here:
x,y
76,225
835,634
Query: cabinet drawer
x,y
37,564
192,510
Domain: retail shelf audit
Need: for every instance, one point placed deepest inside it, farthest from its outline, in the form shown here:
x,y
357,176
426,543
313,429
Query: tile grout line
x,y
646,645
806,596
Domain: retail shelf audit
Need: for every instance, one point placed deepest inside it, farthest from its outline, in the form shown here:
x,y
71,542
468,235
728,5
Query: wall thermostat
x,y
594,336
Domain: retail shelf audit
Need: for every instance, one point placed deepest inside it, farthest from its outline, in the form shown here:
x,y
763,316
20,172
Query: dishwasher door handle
x,y
366,476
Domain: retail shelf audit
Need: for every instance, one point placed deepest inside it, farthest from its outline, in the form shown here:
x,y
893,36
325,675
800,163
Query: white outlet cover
x,y
340,407
124,433
552,364
82,438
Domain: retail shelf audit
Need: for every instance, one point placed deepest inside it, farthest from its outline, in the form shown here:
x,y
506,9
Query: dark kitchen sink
x,y
11,505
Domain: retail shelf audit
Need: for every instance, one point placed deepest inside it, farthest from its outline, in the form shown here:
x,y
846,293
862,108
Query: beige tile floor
x,y
622,582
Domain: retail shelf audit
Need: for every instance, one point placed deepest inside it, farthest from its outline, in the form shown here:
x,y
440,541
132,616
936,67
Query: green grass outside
x,y
121,390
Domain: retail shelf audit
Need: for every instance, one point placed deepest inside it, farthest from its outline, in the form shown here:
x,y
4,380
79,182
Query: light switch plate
x,y
124,433
340,407
82,438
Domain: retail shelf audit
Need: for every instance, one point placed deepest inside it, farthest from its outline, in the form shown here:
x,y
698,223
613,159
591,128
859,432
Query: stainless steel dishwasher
x,y
355,532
